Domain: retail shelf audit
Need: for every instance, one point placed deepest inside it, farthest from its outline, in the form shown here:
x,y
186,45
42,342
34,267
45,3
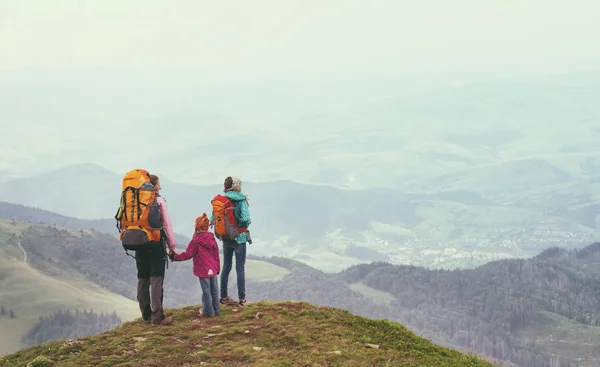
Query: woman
x,y
233,190
151,262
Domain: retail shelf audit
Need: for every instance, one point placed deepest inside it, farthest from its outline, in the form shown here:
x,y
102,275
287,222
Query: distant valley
x,y
331,228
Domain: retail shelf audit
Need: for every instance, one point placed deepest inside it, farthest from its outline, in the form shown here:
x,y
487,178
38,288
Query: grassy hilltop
x,y
260,334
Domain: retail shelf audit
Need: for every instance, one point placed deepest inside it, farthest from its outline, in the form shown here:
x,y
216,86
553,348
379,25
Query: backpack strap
x,y
119,214
124,198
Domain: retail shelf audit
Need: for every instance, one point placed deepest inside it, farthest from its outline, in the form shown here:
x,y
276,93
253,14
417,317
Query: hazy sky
x,y
346,37
337,53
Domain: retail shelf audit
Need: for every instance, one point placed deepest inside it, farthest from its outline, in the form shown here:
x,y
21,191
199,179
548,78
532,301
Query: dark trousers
x,y
151,264
230,248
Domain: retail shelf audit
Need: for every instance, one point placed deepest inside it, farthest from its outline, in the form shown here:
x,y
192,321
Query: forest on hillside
x,y
69,324
483,310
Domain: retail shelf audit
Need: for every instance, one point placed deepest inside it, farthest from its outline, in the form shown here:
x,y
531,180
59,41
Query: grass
x,y
380,227
376,295
260,334
32,294
263,271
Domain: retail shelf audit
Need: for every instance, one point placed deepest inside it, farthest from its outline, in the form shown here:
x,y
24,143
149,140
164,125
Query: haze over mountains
x,y
469,119
449,176
398,141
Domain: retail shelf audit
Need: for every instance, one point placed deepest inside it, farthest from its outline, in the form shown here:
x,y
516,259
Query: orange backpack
x,y
226,227
138,217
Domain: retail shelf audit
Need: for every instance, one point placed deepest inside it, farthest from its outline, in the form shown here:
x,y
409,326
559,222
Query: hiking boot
x,y
242,302
166,321
227,301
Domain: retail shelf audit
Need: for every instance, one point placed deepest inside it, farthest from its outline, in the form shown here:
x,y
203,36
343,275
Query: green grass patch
x,y
277,334
379,297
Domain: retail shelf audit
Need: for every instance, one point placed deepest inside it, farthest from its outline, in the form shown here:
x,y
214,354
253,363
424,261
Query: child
x,y
207,265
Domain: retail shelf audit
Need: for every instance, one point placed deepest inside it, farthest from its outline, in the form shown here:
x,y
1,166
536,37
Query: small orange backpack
x,y
225,223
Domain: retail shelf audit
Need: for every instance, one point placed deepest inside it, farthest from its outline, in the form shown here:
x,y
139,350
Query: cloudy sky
x,y
272,37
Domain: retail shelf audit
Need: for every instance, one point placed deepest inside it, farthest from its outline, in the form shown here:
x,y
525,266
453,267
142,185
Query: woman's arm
x,y
166,222
244,214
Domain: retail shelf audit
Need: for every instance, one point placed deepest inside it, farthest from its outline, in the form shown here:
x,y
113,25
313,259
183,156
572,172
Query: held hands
x,y
172,254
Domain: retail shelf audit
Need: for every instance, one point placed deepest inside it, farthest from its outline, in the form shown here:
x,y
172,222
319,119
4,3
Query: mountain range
x,y
448,177
332,228
530,312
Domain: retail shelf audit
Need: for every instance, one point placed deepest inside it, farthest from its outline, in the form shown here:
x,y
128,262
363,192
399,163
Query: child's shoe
x,y
242,302
202,314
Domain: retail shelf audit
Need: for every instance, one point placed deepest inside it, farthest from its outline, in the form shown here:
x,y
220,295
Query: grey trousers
x,y
210,296
150,299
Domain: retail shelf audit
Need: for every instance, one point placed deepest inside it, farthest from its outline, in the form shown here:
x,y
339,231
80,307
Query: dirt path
x,y
24,253
56,280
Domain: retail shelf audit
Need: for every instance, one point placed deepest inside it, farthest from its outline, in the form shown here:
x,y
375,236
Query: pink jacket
x,y
205,251
166,222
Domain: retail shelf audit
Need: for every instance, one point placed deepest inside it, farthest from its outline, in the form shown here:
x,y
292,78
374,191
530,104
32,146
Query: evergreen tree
x,y
2,311
12,314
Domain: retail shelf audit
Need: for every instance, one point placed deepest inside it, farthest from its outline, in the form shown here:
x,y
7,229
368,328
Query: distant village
x,y
499,244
